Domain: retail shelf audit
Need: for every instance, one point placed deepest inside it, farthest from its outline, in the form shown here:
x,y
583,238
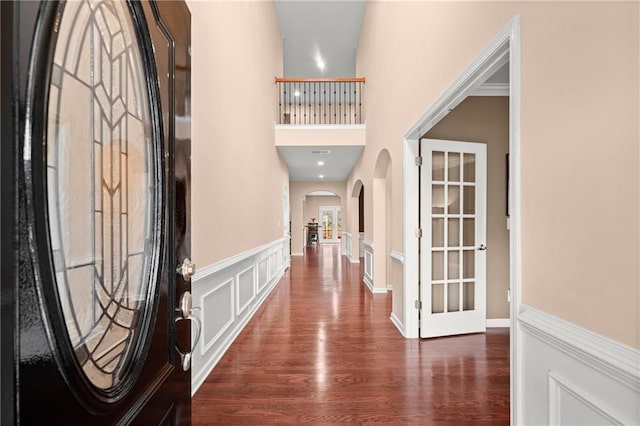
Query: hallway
x,y
323,350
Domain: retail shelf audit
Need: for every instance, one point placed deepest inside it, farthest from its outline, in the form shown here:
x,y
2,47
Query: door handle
x,y
186,269
482,247
185,312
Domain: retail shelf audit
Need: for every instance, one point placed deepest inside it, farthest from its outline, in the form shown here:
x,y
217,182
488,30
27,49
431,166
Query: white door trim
x,y
504,47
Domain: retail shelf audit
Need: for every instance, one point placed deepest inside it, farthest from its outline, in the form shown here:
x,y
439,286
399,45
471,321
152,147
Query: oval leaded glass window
x,y
100,173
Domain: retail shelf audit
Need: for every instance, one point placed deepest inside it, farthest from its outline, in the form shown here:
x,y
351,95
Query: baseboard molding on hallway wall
x,y
572,375
396,321
498,322
353,259
229,293
297,254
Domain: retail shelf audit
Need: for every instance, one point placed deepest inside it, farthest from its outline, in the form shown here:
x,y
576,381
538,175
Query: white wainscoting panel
x,y
217,311
346,244
361,252
368,264
246,288
571,376
263,271
228,294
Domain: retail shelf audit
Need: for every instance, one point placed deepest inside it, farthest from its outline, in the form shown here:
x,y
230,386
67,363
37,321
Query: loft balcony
x,y
321,101
320,122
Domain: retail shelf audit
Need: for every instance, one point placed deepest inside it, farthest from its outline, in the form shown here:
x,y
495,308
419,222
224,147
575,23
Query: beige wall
x,y
486,120
579,137
319,136
299,218
238,177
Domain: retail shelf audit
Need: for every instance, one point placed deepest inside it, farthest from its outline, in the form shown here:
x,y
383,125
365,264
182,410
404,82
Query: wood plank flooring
x,y
322,350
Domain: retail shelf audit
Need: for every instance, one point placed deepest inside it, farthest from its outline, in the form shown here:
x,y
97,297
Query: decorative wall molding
x,y
347,247
498,322
229,293
599,352
396,321
397,256
346,244
570,375
561,389
212,269
492,89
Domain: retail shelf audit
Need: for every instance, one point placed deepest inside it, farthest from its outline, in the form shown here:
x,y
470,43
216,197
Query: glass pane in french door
x,y
453,226
327,224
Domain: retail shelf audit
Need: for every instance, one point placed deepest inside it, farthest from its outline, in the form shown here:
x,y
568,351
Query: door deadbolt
x,y
186,269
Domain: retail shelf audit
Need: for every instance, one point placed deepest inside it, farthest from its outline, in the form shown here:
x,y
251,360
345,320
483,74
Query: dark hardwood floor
x,y
322,350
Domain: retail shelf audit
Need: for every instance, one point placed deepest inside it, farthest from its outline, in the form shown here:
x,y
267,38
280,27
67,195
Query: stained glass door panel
x,y
102,225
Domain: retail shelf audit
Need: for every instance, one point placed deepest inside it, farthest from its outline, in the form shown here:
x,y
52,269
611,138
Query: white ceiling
x,y
330,29
303,162
327,28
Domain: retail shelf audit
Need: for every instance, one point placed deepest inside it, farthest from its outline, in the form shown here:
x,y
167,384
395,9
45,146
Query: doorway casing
x,y
505,47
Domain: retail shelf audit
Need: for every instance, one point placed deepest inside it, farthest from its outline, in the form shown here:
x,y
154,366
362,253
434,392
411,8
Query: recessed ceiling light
x,y
296,93
320,62
320,163
321,176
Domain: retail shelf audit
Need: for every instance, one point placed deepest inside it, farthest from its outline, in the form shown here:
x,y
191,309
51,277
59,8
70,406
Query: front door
x,y
453,245
96,321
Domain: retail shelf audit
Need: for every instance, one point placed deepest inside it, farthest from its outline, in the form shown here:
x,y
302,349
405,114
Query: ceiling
x,y
329,30
303,162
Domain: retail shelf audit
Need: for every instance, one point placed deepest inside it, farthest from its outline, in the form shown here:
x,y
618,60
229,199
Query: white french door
x,y
330,224
453,211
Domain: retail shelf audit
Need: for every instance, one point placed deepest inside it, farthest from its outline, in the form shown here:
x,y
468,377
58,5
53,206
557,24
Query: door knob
x,y
482,247
185,312
186,269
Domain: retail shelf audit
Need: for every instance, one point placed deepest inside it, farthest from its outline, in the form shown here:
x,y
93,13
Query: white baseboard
x,y
396,321
498,322
229,293
570,375
353,259
372,289
297,254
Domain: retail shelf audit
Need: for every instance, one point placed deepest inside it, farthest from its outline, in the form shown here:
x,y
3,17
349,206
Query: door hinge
x,y
418,304
419,233
419,161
